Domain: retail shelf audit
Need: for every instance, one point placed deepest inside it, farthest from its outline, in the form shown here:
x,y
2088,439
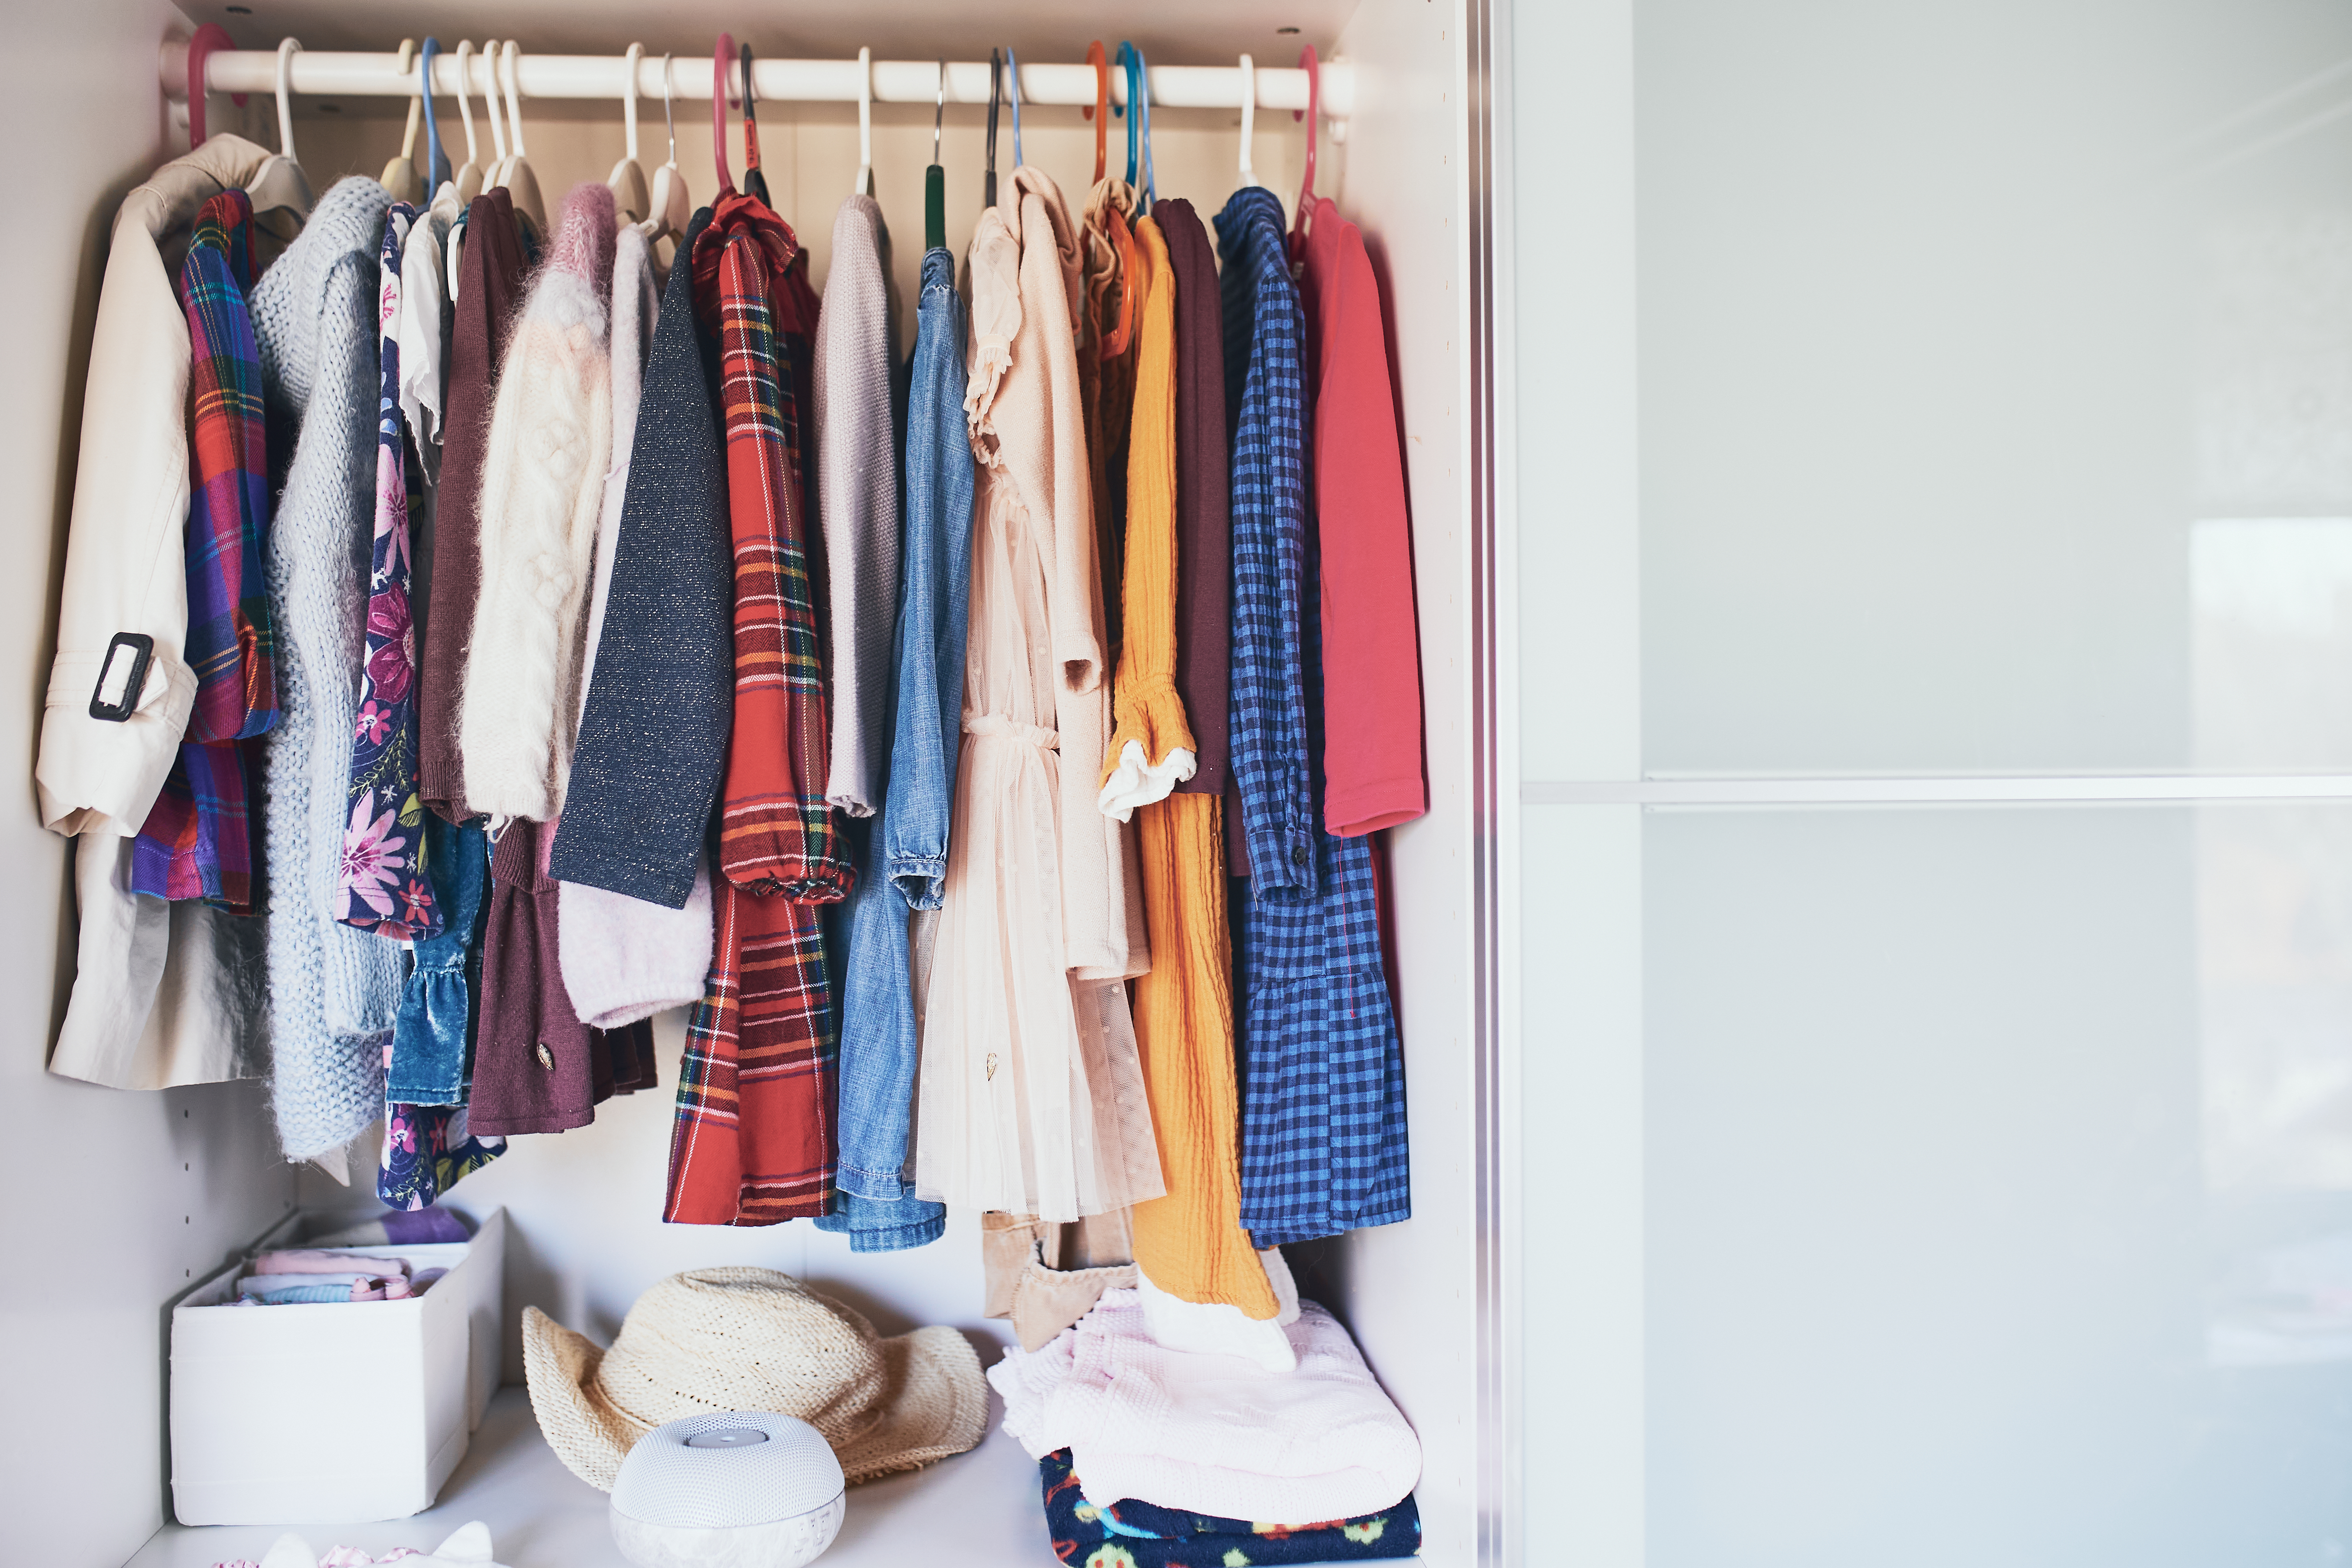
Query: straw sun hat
x,y
753,1339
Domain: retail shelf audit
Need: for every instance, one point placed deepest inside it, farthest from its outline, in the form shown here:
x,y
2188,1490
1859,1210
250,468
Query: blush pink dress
x,y
1031,1096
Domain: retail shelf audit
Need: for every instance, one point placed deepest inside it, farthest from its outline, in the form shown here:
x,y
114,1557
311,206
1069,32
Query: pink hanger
x,y
723,98
1314,101
208,39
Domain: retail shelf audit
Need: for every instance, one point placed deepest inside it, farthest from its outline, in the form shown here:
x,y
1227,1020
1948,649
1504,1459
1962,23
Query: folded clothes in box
x,y
254,1386
308,1276
1131,1534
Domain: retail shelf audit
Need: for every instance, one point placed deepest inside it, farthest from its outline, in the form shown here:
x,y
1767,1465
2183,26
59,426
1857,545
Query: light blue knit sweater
x,y
333,990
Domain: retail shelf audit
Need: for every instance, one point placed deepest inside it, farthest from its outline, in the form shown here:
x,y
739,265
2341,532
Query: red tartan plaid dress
x,y
755,1140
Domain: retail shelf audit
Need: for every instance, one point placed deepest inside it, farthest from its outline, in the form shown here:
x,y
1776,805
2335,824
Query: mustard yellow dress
x,y
1190,1242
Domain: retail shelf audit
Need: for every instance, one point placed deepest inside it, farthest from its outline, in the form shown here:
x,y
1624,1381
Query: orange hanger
x,y
722,96
1100,113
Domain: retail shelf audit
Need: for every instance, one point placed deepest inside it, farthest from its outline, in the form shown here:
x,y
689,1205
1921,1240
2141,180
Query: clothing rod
x,y
322,73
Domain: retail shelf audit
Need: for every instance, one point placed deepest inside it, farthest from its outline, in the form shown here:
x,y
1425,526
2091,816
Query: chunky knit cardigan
x,y
542,492
333,990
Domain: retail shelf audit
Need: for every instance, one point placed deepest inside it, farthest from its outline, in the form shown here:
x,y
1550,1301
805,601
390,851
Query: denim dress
x,y
876,1207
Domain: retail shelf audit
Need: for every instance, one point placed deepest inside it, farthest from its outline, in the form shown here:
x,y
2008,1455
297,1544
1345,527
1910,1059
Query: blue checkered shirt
x,y
1323,1115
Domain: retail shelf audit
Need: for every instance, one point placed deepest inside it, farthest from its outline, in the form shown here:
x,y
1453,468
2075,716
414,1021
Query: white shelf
x,y
981,1509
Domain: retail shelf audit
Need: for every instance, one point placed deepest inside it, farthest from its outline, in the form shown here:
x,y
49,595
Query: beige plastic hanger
x,y
400,176
468,178
521,181
668,212
628,177
282,182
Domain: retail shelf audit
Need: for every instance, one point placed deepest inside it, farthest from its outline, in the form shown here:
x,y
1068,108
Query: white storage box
x,y
334,1413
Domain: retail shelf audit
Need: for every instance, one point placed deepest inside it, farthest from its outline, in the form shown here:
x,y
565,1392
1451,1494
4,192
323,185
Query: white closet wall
x,y
120,1198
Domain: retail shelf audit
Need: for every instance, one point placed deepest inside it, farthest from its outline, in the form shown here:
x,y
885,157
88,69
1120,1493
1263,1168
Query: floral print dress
x,y
383,886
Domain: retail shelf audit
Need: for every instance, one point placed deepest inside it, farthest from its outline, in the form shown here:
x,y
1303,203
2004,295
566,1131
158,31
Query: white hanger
x,y
521,181
400,176
865,186
282,182
468,178
628,177
670,215
495,180
1249,117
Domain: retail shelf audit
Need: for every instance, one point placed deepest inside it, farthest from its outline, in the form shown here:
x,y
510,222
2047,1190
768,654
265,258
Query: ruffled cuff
x,y
1136,780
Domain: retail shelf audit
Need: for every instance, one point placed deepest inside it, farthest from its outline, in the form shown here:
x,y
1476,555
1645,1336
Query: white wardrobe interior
x,y
129,1196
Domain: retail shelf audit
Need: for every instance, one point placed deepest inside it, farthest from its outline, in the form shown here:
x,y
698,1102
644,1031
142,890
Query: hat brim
x,y
588,1435
935,1404
936,1407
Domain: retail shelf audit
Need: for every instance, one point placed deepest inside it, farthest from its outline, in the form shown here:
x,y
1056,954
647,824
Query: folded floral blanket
x,y
1140,1535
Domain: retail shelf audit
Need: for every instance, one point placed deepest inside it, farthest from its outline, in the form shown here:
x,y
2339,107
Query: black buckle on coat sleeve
x,y
140,648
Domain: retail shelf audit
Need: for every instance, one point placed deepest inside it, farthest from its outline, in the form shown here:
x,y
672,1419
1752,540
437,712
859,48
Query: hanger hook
x,y
1012,79
510,58
1249,117
1138,123
1126,109
490,101
669,116
865,123
723,98
287,49
1099,111
995,92
1311,114
939,111
1128,56
436,161
465,102
629,99
750,130
208,39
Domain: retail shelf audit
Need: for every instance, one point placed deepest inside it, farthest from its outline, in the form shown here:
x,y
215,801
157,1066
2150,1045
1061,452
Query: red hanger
x,y
1100,113
722,97
208,39
1313,102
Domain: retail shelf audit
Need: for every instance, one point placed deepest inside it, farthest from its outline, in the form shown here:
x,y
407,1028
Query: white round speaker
x,y
741,1490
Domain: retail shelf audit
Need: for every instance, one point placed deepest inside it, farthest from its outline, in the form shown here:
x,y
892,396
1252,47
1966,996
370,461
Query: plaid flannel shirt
x,y
197,841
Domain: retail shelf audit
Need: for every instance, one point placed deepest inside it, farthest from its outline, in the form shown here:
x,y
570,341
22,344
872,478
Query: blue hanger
x,y
1139,123
1128,59
436,163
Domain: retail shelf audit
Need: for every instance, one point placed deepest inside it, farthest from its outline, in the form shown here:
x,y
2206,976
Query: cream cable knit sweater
x,y
542,493
333,990
624,958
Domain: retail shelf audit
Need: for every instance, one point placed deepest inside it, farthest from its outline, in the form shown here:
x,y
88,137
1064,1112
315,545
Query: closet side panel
x,y
1411,1292
122,1198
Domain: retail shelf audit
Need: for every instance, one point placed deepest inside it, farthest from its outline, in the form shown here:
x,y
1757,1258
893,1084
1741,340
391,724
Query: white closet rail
x,y
323,74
